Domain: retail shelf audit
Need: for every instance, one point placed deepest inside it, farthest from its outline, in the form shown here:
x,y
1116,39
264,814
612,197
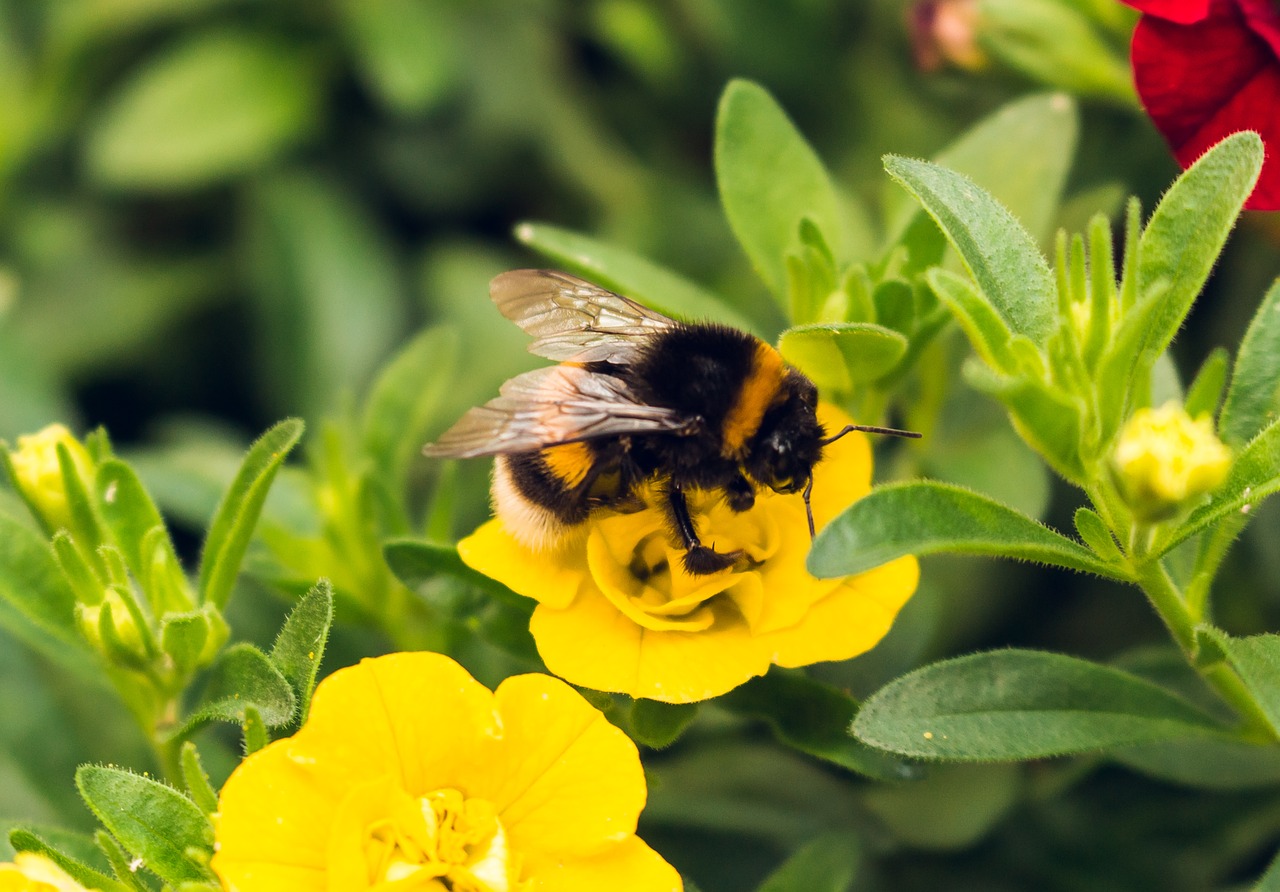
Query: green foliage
x,y
827,864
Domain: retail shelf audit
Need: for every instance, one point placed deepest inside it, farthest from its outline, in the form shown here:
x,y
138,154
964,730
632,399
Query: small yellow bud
x,y
89,618
39,478
31,872
1164,458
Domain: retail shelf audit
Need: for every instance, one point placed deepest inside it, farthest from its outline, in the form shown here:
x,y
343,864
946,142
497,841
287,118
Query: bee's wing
x,y
557,404
572,319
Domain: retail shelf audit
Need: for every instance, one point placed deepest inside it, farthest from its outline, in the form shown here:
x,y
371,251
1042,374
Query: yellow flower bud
x,y
89,618
39,478
1164,458
31,872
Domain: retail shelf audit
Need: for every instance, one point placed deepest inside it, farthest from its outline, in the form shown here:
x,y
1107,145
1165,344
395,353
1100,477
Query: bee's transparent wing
x,y
574,320
557,404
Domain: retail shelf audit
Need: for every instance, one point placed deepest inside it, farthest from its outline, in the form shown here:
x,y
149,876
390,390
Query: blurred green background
x,y
216,213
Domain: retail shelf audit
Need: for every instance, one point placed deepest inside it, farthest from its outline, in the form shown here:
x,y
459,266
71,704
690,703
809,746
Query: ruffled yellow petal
x,y
564,780
849,621
630,866
596,646
549,577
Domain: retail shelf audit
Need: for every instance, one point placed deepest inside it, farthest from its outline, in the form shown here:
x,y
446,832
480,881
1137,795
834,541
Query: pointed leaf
x,y
926,517
300,645
998,252
23,840
630,274
197,780
237,513
987,332
1021,704
36,602
1205,391
243,677
827,864
839,355
1253,399
1256,660
1186,233
153,821
769,179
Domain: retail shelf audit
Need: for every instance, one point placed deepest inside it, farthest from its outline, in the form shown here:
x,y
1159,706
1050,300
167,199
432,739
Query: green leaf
x,y
1206,390
36,602
1020,704
1021,154
256,735
1184,236
405,400
1207,762
23,840
658,725
1253,399
1270,879
183,637
827,864
237,513
216,106
1093,531
1254,475
300,645
121,863
243,677
630,274
769,180
840,355
409,51
143,538
999,253
415,562
813,718
985,329
925,517
154,822
1256,660
196,780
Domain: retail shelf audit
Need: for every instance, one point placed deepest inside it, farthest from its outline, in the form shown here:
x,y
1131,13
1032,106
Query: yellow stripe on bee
x,y
569,462
758,390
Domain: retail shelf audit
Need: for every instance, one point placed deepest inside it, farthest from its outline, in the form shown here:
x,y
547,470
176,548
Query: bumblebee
x,y
637,398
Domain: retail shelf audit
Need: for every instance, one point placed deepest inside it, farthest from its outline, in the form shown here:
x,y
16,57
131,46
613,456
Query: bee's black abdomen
x,y
697,369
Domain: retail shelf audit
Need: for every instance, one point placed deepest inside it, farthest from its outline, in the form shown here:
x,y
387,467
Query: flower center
x,y
441,840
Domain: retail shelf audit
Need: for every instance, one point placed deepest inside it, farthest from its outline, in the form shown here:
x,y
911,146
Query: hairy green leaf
x,y
1253,398
300,645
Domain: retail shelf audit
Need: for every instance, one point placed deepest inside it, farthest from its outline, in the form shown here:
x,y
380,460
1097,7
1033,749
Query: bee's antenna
x,y
808,509
849,428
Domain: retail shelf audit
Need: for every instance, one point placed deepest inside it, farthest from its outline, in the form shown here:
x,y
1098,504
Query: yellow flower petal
x,y
630,866
565,781
598,647
851,620
494,552
844,474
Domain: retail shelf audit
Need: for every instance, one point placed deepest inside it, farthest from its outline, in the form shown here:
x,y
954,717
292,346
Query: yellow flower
x,y
1164,458
39,477
410,775
32,872
617,612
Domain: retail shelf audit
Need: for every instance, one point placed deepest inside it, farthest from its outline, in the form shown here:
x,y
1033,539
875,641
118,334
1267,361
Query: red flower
x,y
1208,68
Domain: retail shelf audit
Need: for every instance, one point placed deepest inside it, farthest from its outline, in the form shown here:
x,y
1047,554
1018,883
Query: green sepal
x,y
1020,704
237,513
199,788
184,638
829,863
242,677
256,735
987,332
841,355
299,647
84,519
121,864
404,400
139,530
658,725
1094,533
151,820
1253,398
769,180
813,718
24,840
1205,391
927,517
999,253
1102,290
812,292
630,274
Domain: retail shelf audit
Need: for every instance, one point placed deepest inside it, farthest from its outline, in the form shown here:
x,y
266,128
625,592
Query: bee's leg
x,y
740,494
699,560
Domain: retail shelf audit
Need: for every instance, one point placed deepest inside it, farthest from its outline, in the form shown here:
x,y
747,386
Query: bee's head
x,y
789,442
